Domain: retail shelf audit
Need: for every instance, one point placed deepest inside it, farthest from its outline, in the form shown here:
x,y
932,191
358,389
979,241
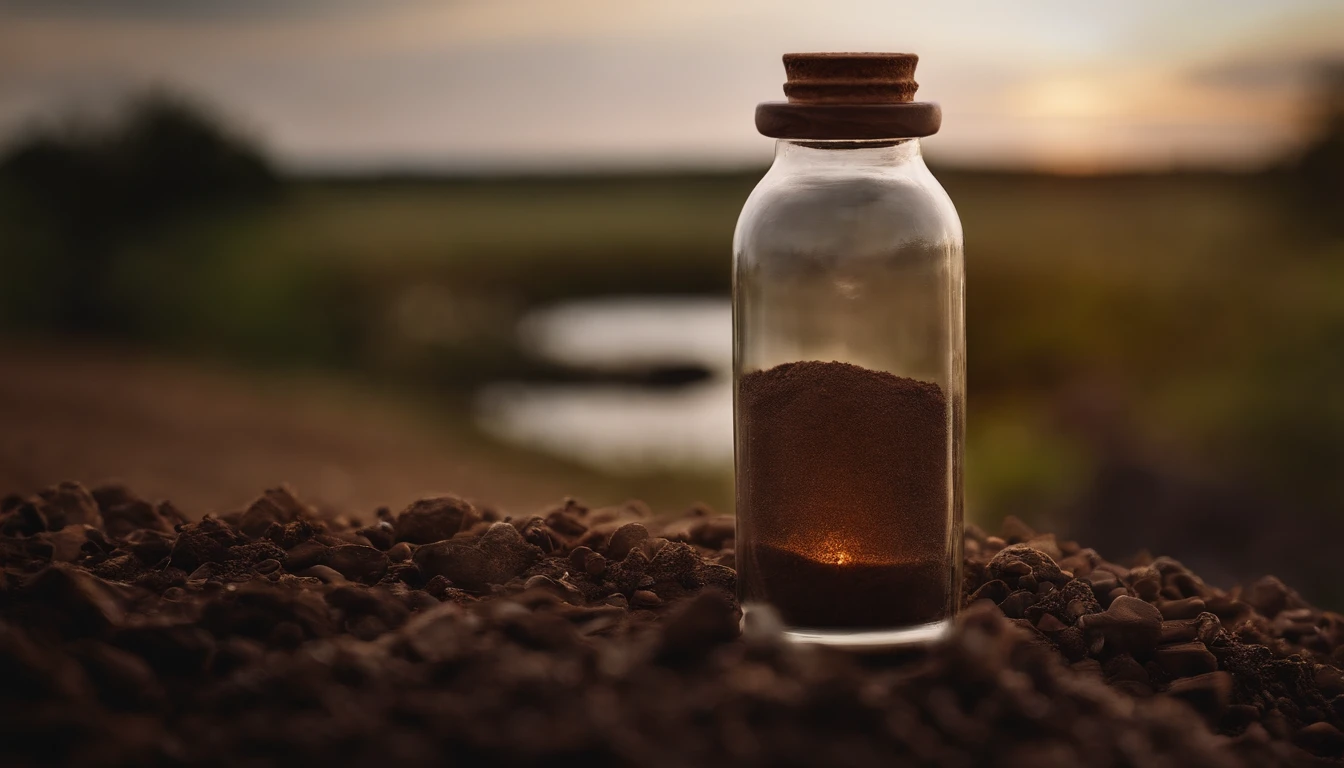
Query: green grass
x,y
1192,309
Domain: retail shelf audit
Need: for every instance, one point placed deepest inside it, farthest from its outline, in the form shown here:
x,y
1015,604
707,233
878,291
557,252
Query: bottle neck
x,y
847,155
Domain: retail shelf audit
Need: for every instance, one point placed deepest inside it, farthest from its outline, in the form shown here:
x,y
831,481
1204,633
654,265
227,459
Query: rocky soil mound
x,y
446,634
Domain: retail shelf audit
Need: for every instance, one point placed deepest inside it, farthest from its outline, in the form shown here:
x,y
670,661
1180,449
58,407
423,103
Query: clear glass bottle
x,y
849,363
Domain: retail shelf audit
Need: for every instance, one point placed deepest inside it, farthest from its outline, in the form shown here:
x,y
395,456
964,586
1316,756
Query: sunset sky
x,y
575,84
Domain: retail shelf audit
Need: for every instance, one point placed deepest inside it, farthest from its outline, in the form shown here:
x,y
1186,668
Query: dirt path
x,y
212,438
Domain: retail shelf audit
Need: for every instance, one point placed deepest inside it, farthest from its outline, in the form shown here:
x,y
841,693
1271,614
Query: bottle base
x,y
863,640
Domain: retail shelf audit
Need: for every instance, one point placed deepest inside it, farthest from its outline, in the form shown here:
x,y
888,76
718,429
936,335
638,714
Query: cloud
x,y
579,82
183,10
1288,72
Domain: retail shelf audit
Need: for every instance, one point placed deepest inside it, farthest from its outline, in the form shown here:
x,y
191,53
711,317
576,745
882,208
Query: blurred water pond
x,y
623,427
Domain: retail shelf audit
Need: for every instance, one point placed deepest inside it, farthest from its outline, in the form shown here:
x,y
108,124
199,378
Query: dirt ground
x,y
208,437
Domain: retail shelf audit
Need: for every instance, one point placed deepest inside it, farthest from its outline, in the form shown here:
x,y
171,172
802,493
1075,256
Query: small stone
x,y
276,505
556,587
653,545
716,575
291,535
206,571
109,495
325,574
643,598
436,519
1185,659
131,515
305,555
577,557
497,556
23,520
1228,609
1082,564
1146,582
1072,643
1295,624
1186,585
69,503
534,531
1208,629
1129,625
1103,582
1268,596
75,602
67,544
438,586
150,547
1320,739
1019,560
566,522
674,562
357,562
1123,667
1015,605
624,539
1112,595
710,532
1187,608
1330,680
381,535
1210,693
400,552
629,574
245,555
1178,631
595,564
1049,624
995,590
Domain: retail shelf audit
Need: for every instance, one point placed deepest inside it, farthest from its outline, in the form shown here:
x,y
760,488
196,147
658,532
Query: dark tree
x,y
91,191
1320,169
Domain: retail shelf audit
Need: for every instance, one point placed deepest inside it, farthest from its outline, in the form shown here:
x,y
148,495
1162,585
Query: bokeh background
x,y
376,249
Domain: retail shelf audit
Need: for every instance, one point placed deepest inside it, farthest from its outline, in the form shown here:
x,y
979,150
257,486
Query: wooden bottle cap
x,y
855,96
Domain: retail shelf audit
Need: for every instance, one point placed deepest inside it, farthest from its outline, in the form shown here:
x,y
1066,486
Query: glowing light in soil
x,y
833,553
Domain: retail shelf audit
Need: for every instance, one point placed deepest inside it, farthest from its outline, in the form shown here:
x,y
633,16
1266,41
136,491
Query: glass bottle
x,y
849,363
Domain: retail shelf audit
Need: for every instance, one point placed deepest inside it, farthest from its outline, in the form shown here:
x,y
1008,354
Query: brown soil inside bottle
x,y
843,500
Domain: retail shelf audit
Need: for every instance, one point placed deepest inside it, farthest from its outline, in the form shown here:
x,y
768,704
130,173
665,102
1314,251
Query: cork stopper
x,y
850,78
849,97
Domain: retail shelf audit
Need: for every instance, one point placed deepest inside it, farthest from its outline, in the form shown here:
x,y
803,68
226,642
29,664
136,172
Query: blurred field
x,y
218,436
1153,359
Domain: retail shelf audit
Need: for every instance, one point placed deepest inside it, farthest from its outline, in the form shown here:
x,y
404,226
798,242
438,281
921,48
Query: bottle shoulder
x,y
854,212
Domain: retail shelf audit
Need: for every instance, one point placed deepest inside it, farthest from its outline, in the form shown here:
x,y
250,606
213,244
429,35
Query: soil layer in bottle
x,y
843,498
